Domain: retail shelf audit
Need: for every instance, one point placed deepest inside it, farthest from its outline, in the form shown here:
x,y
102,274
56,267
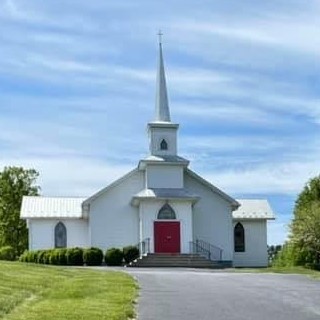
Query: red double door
x,y
167,237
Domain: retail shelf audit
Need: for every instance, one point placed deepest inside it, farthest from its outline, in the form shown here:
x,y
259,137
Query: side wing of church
x,y
161,205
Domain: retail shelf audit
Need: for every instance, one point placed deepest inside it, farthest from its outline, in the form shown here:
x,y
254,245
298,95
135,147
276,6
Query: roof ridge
x,y
63,197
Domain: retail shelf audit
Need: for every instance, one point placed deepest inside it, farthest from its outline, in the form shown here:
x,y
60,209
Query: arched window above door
x,y
166,213
163,145
60,235
239,238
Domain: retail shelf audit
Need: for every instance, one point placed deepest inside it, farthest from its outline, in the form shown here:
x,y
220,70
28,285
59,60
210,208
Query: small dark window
x,y
166,213
239,244
164,145
60,235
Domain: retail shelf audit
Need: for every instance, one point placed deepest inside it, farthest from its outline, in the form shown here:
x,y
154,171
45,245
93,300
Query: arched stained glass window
x,y
164,145
239,238
60,235
166,213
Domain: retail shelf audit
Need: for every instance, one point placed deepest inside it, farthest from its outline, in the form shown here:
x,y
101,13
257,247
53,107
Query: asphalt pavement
x,y
190,294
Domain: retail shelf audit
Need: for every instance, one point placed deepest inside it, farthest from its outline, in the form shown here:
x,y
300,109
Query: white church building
x,y
161,204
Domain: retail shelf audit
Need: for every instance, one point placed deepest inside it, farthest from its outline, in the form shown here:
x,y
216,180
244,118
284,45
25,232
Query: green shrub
x,y
7,253
28,256
92,256
40,256
114,257
51,256
75,257
23,256
54,257
47,256
33,257
62,257
130,253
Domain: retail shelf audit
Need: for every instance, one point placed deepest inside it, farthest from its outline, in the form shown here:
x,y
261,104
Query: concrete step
x,y
171,261
180,265
185,256
175,260
177,265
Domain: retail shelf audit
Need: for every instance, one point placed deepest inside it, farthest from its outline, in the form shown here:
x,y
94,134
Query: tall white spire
x,y
162,106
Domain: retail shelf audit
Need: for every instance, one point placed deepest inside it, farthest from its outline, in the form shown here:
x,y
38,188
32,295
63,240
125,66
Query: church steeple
x,y
162,105
162,132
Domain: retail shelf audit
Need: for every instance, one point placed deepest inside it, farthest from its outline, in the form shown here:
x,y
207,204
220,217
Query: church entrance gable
x,y
167,237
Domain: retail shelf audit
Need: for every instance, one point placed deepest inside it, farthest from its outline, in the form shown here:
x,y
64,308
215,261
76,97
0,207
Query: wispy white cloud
x,y
77,87
70,176
273,177
36,13
275,30
11,8
223,143
228,113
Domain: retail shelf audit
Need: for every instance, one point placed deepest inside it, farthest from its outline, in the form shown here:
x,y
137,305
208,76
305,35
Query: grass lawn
x,y
32,292
285,270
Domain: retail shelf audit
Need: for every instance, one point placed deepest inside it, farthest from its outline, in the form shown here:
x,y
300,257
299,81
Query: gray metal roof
x,y
166,158
60,207
164,193
51,207
253,209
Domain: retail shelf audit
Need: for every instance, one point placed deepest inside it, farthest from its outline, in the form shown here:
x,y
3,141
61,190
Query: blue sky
x,y
77,87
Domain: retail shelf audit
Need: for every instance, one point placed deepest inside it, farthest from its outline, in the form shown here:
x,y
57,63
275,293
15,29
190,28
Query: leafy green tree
x,y
273,252
305,227
285,257
15,182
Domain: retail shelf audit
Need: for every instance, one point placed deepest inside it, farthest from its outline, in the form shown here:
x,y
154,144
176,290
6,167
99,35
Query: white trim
x,y
163,124
29,223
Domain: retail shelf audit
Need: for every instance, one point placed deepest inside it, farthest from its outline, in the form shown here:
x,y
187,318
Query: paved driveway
x,y
200,295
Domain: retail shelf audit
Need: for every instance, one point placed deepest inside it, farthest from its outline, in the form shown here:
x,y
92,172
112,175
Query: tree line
x,y
15,182
303,246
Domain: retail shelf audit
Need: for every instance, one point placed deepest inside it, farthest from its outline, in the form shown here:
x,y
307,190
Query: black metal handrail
x,y
206,249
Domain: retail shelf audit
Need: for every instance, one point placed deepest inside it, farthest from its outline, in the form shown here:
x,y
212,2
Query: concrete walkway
x,y
188,294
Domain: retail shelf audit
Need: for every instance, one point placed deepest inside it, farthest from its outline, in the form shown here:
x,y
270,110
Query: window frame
x,y
60,238
164,145
165,210
239,238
